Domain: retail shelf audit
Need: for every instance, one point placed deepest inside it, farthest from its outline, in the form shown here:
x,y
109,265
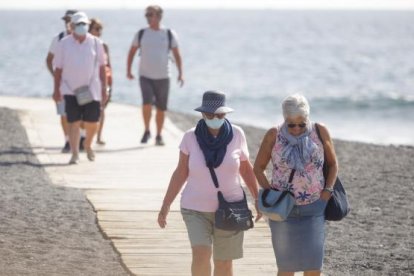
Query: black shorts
x,y
155,92
88,113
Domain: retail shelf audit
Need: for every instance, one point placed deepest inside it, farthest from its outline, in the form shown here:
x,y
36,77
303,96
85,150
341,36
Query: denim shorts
x,y
298,242
227,245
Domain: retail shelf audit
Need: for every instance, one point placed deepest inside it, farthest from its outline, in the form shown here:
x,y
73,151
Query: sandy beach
x,y
51,230
377,237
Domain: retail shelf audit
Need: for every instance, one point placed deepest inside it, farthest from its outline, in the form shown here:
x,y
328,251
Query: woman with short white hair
x,y
298,155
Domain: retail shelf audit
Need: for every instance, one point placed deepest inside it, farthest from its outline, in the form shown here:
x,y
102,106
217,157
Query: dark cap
x,y
68,14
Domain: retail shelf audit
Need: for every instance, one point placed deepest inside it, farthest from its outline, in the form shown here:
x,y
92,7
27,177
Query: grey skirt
x,y
298,242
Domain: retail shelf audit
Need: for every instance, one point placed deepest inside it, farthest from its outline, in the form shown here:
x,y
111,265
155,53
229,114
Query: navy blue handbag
x,y
231,216
338,205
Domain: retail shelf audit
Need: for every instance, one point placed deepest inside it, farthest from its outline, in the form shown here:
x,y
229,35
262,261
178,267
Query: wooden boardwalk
x,y
125,186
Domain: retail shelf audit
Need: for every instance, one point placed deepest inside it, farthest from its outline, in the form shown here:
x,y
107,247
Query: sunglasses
x,y
149,15
301,125
212,115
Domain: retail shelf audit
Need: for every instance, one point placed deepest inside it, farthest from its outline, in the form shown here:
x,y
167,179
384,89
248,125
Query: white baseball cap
x,y
80,17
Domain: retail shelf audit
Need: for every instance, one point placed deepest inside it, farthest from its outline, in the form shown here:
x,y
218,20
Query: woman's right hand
x,y
162,216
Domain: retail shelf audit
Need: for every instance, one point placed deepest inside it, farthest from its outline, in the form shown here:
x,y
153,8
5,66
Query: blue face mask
x,y
214,123
81,30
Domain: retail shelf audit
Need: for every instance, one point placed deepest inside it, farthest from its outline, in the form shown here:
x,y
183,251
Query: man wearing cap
x,y
80,63
155,43
60,106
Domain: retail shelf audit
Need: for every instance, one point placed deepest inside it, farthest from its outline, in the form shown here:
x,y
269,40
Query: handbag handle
x,y
284,193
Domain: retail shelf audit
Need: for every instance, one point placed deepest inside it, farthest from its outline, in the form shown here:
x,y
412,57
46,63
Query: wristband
x,y
328,189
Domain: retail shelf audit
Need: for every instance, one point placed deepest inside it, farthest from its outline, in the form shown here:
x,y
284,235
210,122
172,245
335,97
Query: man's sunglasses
x,y
149,14
302,125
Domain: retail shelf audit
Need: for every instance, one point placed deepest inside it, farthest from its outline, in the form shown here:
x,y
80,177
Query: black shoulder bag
x,y
338,205
231,216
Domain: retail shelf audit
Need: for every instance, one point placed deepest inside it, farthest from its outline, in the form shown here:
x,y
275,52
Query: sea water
x,y
355,67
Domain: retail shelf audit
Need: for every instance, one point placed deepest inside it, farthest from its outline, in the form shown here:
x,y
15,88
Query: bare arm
x,y
177,181
106,49
330,156
102,77
178,62
49,62
263,157
57,96
130,59
246,172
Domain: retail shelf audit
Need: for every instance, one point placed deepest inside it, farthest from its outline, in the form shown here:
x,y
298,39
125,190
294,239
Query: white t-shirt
x,y
154,61
55,40
80,64
200,194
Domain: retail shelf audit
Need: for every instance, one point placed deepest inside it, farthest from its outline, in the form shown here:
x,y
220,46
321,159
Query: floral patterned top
x,y
307,185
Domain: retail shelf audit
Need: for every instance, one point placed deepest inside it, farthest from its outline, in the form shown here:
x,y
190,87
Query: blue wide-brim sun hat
x,y
214,102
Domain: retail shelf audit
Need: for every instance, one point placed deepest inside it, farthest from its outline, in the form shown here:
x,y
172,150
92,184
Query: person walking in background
x,y
155,43
295,148
95,28
80,62
217,142
60,106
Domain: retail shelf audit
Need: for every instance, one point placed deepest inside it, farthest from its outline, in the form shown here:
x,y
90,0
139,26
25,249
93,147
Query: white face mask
x,y
81,30
214,123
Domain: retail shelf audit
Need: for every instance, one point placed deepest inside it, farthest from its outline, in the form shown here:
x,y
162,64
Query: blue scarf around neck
x,y
297,151
213,148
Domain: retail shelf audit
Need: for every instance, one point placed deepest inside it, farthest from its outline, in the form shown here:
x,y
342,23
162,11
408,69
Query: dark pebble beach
x,y
44,229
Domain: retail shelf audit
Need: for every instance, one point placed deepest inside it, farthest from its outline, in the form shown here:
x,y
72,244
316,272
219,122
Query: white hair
x,y
295,105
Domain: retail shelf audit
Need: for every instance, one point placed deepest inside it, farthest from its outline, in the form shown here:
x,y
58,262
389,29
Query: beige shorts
x,y
227,245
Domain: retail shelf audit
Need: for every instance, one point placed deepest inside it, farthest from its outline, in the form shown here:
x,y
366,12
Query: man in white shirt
x,y
80,62
155,43
60,106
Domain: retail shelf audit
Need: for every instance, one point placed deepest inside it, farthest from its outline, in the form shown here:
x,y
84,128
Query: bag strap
x,y
319,133
325,165
61,35
214,177
169,39
292,173
169,34
140,34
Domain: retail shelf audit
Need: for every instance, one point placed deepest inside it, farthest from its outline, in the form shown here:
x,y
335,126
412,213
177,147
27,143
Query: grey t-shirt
x,y
154,61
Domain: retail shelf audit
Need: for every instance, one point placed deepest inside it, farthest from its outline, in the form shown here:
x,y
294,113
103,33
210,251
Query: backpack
x,y
141,33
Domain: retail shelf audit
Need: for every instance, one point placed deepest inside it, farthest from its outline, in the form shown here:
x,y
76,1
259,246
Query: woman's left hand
x,y
258,213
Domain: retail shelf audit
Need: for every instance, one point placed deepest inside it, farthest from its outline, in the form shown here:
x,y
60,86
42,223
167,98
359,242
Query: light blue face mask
x,y
81,30
214,123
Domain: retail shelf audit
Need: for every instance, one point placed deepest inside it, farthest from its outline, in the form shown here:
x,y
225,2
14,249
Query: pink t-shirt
x,y
200,194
